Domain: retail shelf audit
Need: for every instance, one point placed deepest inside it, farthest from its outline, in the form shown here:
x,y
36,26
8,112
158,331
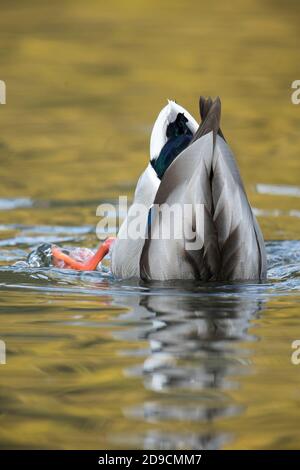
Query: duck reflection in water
x,y
196,346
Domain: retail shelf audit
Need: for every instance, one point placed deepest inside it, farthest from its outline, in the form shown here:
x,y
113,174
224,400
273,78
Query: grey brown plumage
x,y
204,107
229,243
206,173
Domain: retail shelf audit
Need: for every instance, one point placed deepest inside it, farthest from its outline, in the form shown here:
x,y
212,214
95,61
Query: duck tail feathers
x,y
205,105
211,122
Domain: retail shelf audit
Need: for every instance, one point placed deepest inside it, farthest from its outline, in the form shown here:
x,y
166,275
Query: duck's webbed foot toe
x,y
87,262
62,259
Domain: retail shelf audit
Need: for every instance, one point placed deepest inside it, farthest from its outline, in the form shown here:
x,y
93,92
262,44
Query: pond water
x,y
92,362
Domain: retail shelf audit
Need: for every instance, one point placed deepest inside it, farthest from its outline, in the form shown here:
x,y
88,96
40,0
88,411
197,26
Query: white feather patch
x,y
167,115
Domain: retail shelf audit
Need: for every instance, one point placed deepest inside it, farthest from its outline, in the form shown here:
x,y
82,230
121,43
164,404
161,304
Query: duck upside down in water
x,y
190,164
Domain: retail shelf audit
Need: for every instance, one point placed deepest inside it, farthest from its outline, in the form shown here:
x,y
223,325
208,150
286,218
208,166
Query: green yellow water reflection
x,y
92,364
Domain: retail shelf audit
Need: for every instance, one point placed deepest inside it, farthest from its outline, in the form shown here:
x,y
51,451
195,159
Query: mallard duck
x,y
190,165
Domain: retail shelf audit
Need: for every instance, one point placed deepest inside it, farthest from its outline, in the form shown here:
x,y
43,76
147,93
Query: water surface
x,y
98,363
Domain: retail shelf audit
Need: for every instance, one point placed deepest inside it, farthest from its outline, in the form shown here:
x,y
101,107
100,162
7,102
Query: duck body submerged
x,y
191,166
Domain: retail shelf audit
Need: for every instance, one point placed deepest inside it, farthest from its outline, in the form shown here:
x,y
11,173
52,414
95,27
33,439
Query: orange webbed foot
x,y
61,259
